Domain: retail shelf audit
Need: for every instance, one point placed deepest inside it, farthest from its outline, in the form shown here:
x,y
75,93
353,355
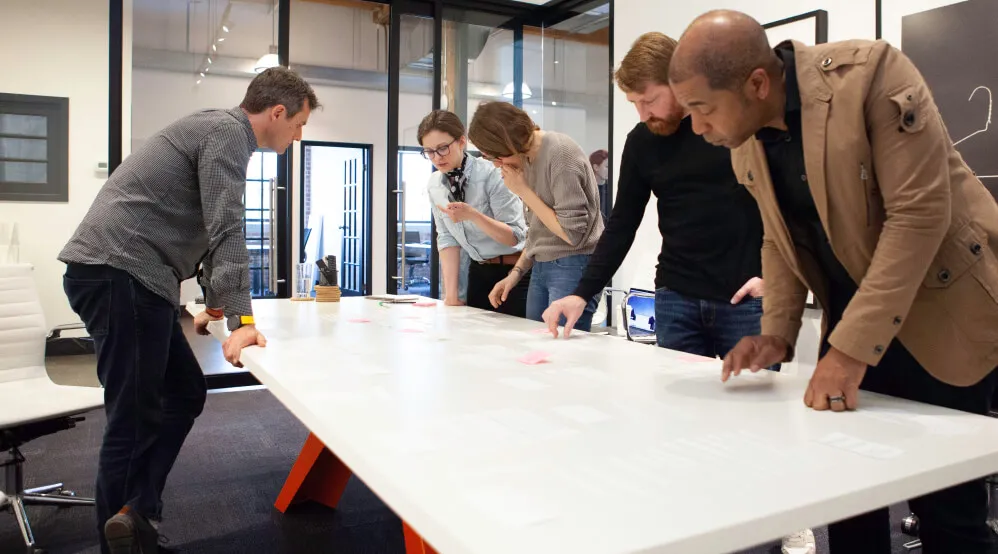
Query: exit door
x,y
336,210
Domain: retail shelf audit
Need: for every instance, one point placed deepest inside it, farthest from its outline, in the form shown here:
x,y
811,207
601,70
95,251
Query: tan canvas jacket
x,y
904,214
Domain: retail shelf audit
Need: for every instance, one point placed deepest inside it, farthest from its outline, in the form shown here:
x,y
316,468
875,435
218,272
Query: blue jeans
x,y
704,327
153,386
554,280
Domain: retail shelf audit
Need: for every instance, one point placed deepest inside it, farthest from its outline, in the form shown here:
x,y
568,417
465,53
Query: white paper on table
x,y
510,507
860,446
581,414
529,425
523,383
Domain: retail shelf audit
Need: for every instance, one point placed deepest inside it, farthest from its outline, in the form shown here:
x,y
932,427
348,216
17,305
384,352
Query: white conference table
x,y
607,447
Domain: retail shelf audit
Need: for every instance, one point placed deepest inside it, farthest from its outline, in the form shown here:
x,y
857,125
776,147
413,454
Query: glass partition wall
x,y
189,56
379,66
554,61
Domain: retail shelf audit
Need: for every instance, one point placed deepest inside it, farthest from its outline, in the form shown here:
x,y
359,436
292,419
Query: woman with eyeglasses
x,y
476,216
552,175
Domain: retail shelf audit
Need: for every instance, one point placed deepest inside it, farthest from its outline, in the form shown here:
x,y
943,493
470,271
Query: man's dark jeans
x,y
153,386
704,327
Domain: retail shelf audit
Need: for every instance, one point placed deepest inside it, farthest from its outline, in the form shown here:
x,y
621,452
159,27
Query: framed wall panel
x,y
810,28
34,148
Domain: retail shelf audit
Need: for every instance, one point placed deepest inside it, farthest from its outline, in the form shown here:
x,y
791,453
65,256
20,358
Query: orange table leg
x,y
317,475
414,544
320,476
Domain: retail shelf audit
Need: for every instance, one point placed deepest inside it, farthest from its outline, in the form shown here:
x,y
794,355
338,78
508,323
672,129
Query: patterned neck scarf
x,y
457,179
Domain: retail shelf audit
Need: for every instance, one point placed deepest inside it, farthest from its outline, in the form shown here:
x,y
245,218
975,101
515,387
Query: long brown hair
x,y
440,120
500,129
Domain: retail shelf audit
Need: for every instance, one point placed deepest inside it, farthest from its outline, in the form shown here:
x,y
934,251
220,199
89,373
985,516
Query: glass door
x,y
336,211
414,232
412,93
260,225
452,60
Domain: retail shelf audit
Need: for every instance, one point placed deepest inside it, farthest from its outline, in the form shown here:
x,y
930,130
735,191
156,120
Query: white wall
x,y
846,19
61,49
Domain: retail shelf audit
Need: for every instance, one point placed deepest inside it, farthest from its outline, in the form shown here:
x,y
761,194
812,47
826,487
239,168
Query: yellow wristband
x,y
246,320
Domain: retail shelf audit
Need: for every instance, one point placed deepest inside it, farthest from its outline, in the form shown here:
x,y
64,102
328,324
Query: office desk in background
x,y
607,447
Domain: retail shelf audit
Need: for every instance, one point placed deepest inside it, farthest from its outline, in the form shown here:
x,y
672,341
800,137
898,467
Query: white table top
x,y
608,447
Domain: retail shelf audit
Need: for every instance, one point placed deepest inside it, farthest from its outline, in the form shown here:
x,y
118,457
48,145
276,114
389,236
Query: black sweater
x,y
710,225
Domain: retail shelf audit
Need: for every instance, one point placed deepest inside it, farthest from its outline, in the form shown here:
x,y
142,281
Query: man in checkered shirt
x,y
174,204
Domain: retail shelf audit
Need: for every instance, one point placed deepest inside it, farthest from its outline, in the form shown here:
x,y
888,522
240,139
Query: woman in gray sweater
x,y
552,176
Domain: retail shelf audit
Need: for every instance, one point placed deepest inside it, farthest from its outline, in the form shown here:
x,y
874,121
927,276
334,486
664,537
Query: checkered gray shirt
x,y
175,203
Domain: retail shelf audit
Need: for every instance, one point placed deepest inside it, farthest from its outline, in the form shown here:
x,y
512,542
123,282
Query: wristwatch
x,y
234,322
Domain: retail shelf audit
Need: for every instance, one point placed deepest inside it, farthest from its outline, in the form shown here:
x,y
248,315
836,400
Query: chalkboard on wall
x,y
955,48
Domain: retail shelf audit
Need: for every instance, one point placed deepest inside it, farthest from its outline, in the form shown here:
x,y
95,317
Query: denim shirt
x,y
485,192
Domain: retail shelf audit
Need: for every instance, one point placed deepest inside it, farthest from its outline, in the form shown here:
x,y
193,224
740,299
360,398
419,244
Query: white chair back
x,y
22,325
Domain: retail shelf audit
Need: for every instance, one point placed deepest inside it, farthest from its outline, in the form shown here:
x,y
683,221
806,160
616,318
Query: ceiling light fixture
x,y
224,26
525,92
267,61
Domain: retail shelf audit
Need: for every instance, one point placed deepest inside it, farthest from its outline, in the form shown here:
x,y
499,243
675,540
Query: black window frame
x,y
56,111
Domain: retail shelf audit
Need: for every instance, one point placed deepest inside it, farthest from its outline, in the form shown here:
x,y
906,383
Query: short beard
x,y
665,127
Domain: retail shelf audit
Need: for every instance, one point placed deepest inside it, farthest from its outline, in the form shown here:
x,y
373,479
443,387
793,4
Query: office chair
x,y
414,257
31,405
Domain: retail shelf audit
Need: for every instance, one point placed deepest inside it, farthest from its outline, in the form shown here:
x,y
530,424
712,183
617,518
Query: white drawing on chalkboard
x,y
987,124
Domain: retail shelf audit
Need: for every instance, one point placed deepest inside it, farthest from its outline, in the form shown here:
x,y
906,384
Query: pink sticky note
x,y
425,304
534,358
542,331
695,358
359,320
412,330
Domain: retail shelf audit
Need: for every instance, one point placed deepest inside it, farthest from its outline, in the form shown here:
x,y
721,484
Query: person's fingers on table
x,y
550,318
230,356
261,340
837,402
761,359
505,291
744,359
735,360
819,401
570,321
809,396
731,361
852,399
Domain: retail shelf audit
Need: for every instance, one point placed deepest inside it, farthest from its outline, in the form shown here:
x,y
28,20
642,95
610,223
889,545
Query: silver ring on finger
x,y
837,399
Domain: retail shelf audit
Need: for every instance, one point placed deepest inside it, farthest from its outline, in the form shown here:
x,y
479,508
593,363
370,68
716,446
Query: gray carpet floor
x,y
219,498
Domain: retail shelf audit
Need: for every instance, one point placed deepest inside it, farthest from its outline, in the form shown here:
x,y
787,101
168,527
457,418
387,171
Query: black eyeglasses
x,y
440,152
